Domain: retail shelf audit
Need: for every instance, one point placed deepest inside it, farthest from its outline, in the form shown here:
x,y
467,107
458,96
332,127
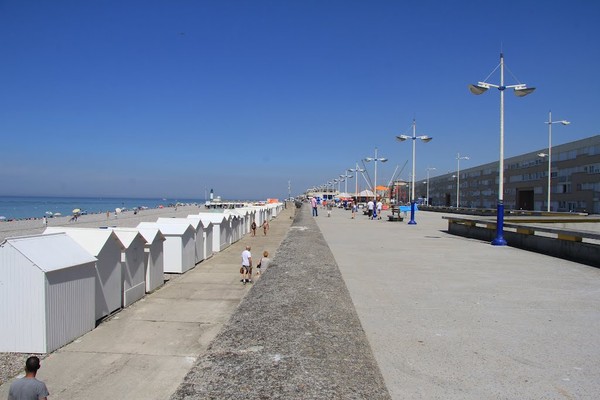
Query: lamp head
x,y
564,122
402,138
542,155
383,159
369,159
478,89
522,91
426,138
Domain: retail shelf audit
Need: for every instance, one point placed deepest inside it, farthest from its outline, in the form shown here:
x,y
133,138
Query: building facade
x,y
575,181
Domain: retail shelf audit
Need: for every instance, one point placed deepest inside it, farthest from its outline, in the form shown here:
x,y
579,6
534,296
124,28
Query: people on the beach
x,y
263,264
45,220
313,203
28,387
329,208
265,227
253,228
246,270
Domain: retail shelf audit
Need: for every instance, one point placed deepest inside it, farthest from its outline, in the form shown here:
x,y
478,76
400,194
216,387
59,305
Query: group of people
x,y
265,227
373,208
246,269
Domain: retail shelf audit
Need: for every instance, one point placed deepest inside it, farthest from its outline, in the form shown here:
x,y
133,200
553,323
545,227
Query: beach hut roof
x,y
91,239
127,235
205,224
150,234
193,223
167,228
41,251
216,218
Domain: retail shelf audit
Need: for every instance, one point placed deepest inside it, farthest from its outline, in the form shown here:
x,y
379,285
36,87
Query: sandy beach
x,y
124,219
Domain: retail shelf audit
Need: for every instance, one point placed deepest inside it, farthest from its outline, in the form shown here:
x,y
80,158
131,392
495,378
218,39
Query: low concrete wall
x,y
585,253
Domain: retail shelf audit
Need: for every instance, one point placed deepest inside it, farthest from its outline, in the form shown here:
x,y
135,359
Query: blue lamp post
x,y
521,90
414,137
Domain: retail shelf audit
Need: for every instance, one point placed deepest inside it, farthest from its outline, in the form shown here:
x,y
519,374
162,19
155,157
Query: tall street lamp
x,y
549,154
520,90
428,169
414,138
375,159
345,176
356,170
458,158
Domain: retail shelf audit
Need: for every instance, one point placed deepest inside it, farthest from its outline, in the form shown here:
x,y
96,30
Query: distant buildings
x,y
575,184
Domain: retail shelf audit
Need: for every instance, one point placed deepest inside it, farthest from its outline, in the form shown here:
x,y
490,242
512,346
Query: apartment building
x,y
575,181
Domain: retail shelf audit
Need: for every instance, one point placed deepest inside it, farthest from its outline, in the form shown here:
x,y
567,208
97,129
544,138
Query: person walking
x,y
370,208
329,208
253,228
263,264
265,227
28,387
379,207
313,203
354,207
246,269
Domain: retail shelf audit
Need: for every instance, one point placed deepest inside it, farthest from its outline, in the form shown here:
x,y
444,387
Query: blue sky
x,y
172,98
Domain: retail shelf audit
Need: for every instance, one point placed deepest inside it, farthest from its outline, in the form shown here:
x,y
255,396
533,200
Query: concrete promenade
x,y
351,309
455,318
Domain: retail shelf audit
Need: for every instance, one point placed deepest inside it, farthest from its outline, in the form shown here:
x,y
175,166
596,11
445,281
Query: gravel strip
x,y
296,335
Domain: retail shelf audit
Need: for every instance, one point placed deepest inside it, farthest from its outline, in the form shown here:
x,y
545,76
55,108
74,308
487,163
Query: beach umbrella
x,y
49,213
118,210
76,211
2,217
57,214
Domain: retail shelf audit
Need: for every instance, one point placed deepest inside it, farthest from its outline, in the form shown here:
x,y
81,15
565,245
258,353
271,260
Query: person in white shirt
x,y
246,269
370,207
379,207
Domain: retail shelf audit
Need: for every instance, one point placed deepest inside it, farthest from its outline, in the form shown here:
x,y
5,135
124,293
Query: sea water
x,y
17,207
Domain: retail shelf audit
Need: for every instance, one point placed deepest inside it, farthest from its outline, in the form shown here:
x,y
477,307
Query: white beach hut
x,y
46,293
106,247
220,224
133,260
179,249
207,235
153,258
235,225
198,234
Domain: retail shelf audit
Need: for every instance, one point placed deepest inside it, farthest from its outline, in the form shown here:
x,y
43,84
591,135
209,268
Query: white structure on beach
x,y
207,235
153,256
106,247
133,260
46,296
198,234
220,224
179,248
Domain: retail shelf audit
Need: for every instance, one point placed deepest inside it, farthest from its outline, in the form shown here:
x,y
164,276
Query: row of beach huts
x,y
56,286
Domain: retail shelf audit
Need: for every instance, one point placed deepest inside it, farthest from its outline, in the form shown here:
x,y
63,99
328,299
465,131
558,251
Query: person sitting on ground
x,y
264,263
28,387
